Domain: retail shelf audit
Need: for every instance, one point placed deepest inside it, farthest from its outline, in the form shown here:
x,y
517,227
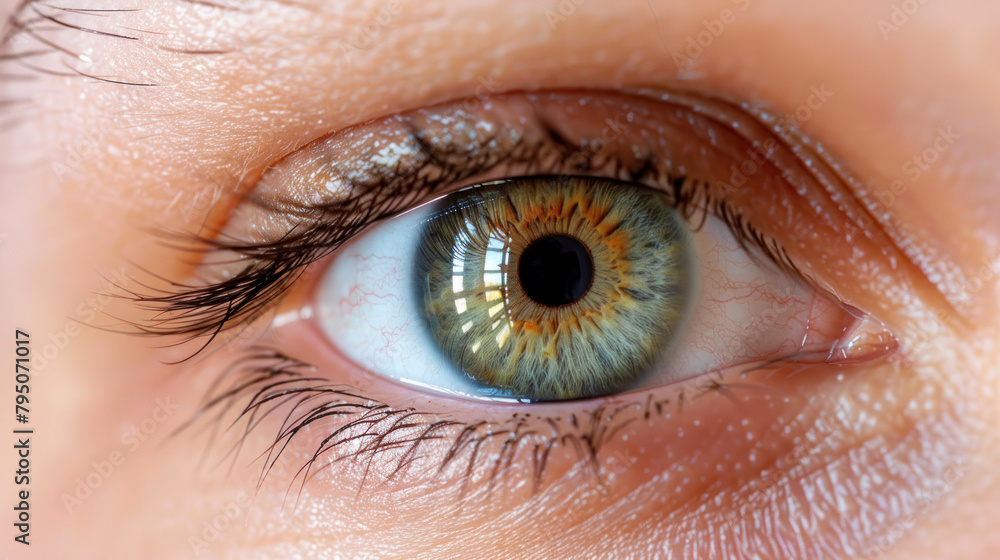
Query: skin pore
x,y
887,458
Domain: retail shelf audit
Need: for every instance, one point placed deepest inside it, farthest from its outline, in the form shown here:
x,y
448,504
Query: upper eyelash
x,y
193,312
196,311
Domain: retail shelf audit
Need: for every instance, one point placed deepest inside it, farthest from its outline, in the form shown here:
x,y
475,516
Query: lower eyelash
x,y
269,382
264,382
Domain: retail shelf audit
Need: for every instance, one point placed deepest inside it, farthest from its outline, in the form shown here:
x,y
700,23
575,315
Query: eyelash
x,y
269,381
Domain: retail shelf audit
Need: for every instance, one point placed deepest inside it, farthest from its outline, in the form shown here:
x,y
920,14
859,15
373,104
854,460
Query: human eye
x,y
459,294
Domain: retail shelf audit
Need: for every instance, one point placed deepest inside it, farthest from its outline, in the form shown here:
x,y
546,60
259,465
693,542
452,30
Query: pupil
x,y
555,270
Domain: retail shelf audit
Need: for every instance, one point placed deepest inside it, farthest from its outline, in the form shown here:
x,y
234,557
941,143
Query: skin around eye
x,y
382,439
887,459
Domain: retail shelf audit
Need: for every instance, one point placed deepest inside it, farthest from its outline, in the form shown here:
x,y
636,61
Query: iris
x,y
551,288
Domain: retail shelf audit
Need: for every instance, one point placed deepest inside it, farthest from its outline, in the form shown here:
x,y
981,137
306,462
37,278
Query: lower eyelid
x,y
304,340
701,436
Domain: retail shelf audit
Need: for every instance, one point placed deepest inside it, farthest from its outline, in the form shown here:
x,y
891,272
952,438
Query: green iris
x,y
549,288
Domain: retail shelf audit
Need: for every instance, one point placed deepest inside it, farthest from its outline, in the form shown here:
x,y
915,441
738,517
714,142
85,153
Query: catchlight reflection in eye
x,y
413,297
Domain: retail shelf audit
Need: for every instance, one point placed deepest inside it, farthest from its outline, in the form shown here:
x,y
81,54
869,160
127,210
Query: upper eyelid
x,y
208,310
823,168
195,303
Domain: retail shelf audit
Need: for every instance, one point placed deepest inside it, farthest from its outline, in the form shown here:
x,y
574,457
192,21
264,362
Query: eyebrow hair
x,y
31,48
31,38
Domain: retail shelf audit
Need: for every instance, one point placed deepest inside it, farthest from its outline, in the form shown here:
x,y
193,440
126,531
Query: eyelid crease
x,y
829,172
